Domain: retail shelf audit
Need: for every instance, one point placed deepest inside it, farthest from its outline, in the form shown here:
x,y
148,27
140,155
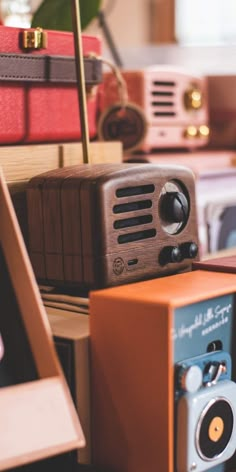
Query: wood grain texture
x,y
23,162
99,253
73,223
81,241
20,163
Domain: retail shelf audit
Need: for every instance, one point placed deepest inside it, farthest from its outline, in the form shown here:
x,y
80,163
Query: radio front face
x,y
147,226
176,106
204,385
174,97
112,224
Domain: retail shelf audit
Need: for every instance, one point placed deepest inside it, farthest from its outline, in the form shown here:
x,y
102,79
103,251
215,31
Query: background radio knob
x,y
191,132
193,98
175,207
203,131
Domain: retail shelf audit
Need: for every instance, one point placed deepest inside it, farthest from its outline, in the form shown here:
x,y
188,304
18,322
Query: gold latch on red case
x,y
34,39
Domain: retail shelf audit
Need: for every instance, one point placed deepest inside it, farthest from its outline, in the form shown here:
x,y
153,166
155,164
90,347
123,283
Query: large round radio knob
x,y
175,207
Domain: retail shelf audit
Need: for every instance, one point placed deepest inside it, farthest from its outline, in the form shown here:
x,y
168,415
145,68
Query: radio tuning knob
x,y
175,207
190,378
170,254
189,250
191,132
203,131
193,98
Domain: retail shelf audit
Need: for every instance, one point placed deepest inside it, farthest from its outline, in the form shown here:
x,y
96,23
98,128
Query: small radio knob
x,y
189,250
175,207
190,379
193,98
191,132
170,254
203,131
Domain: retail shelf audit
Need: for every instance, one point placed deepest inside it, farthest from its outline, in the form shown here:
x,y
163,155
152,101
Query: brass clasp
x,y
34,39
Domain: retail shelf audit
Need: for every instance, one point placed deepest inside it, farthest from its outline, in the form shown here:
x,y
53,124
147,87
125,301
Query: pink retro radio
x,y
174,102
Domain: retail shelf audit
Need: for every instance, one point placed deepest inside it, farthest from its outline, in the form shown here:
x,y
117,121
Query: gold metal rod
x,y
80,79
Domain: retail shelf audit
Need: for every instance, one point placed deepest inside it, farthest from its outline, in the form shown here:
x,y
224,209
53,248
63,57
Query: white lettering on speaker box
x,y
206,322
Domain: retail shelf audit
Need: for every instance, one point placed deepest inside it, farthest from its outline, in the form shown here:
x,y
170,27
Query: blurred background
x,y
201,35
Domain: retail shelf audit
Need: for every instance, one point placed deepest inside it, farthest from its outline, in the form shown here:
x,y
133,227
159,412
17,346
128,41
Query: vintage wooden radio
x,y
163,374
104,225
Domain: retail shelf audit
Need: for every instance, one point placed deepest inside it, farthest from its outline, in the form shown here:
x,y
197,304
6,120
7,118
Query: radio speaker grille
x,y
136,219
163,94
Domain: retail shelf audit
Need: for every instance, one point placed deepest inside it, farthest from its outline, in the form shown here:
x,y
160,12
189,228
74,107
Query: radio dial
x,y
203,131
170,254
189,250
193,98
191,132
175,207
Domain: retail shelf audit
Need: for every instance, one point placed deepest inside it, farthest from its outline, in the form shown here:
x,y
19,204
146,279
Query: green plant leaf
x,y
56,14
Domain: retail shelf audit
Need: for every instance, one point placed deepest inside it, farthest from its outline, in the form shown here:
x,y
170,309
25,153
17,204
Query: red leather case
x,y
36,111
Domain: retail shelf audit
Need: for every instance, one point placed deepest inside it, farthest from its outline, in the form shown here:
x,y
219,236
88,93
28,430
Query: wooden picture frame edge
x,y
38,418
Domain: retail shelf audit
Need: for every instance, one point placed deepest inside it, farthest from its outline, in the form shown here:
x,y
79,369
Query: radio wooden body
x,y
147,412
104,225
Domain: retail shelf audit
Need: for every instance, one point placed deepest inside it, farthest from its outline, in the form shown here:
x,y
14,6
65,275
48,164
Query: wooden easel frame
x,y
37,418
